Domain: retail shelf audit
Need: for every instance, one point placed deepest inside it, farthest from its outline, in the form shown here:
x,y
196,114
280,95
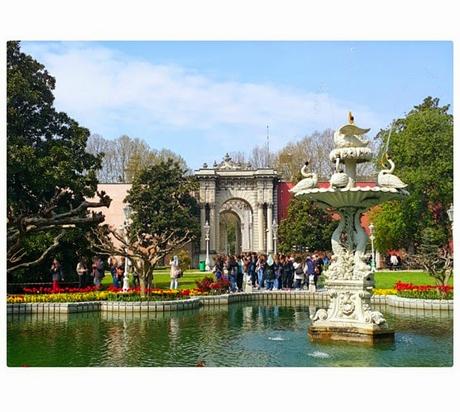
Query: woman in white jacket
x,y
175,273
299,275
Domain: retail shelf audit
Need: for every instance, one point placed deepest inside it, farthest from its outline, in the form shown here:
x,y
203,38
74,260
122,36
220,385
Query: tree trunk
x,y
143,284
146,283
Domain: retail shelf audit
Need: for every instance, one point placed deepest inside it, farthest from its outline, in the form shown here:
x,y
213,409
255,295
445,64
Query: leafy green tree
x,y
305,225
421,146
49,173
165,217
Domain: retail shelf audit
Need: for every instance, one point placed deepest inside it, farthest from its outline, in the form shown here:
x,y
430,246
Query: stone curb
x,y
284,297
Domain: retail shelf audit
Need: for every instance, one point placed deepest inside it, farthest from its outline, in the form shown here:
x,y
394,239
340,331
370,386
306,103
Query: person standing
x,y
112,263
319,263
175,273
232,270
82,272
298,274
218,267
252,269
120,274
97,271
270,273
394,261
247,284
278,267
289,269
309,271
260,269
240,273
56,274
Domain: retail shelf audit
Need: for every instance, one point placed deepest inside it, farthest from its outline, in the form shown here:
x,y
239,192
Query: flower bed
x,y
57,297
385,292
408,290
90,293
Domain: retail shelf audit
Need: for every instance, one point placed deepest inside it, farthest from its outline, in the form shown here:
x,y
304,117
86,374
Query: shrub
x,y
211,286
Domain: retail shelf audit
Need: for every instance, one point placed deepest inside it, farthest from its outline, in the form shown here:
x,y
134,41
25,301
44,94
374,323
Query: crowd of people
x,y
91,274
270,272
248,270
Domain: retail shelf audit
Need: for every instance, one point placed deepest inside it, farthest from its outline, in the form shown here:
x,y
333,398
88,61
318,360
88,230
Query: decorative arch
x,y
244,211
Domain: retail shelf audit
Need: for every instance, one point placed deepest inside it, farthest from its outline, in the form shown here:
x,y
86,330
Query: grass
x,y
386,280
383,280
162,279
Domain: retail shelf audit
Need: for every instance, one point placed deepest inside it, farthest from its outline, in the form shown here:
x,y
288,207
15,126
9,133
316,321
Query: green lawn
x,y
386,280
383,280
162,280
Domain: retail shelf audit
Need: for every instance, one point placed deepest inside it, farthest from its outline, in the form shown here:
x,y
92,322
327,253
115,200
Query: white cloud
x,y
102,88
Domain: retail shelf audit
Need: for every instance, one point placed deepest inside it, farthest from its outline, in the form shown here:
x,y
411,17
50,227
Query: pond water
x,y
238,335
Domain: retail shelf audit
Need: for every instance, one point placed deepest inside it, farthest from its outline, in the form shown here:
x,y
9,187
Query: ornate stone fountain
x,y
349,279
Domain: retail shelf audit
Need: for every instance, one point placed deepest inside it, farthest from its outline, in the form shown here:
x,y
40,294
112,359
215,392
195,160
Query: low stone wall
x,y
71,307
277,297
161,306
408,303
282,297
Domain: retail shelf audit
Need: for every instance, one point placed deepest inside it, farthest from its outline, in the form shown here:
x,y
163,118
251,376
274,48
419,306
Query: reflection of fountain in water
x,y
247,317
173,329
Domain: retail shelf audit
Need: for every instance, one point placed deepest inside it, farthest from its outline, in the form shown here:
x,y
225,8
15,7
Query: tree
x,y
315,148
150,157
390,233
165,217
49,174
124,157
116,156
435,259
421,145
261,157
305,225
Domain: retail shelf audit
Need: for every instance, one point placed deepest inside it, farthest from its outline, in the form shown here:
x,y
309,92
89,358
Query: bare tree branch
x,y
55,244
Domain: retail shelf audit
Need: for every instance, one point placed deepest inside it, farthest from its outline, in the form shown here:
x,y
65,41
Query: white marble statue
x,y
310,180
385,177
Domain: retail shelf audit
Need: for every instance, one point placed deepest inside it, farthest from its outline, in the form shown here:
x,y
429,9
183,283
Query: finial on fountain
x,y
351,119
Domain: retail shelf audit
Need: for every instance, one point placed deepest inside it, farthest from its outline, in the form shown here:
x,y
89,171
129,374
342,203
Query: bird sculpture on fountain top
x,y
350,135
385,177
310,180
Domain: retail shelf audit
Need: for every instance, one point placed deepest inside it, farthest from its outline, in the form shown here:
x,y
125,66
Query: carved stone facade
x,y
249,194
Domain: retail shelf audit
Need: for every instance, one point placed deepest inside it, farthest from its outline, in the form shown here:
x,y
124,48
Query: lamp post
x,y
127,212
275,235
372,237
206,233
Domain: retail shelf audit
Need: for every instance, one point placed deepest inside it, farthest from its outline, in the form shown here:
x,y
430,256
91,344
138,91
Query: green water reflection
x,y
240,335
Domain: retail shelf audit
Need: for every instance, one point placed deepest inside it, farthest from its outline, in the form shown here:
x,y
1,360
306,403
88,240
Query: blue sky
x,y
202,99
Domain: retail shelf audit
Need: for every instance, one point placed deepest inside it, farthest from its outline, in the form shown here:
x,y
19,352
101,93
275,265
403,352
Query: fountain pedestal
x,y
349,279
349,316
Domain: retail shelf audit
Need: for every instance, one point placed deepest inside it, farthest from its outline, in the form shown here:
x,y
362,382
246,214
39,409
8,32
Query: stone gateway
x,y
240,204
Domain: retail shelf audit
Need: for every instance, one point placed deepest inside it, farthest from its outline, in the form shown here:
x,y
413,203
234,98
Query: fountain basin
x,y
354,197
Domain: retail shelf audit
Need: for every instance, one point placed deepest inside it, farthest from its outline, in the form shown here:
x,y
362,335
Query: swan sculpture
x,y
350,135
339,178
310,181
385,177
